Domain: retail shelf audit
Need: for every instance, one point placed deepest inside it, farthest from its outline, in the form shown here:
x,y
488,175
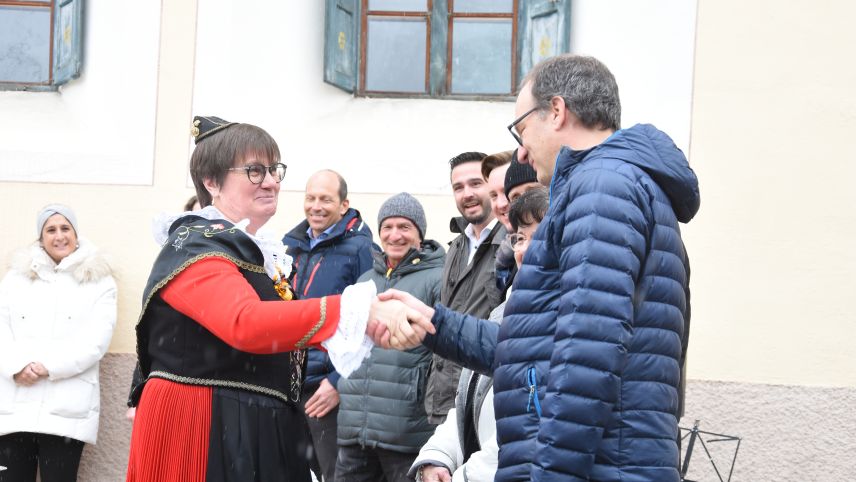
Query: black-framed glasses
x,y
256,172
518,121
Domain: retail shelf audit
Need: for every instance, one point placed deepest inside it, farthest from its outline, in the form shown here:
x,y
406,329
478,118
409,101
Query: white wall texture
x,y
101,127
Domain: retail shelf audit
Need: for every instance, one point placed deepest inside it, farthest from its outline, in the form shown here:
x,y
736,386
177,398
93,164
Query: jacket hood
x,y
653,151
86,264
430,255
351,223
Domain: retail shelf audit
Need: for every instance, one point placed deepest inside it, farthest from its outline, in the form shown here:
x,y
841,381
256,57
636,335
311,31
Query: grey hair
x,y
586,85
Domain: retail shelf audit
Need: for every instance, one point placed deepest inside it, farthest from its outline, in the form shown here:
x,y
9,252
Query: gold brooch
x,y
194,131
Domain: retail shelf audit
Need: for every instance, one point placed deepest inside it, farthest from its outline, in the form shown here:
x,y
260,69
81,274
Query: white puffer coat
x,y
62,316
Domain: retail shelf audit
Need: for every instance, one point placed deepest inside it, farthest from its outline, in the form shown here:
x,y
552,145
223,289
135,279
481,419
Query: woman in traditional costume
x,y
221,354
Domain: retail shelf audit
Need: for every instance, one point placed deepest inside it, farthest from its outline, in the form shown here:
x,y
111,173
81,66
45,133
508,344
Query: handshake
x,y
399,320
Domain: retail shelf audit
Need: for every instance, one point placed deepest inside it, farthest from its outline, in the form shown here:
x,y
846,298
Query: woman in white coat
x,y
57,313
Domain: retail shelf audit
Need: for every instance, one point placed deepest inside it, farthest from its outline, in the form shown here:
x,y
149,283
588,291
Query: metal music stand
x,y
696,434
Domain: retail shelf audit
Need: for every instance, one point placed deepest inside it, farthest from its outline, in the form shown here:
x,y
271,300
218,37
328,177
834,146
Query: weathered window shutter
x,y
341,41
68,40
544,30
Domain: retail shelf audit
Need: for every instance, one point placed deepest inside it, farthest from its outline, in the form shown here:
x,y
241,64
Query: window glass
x,y
481,56
395,55
399,5
484,6
24,44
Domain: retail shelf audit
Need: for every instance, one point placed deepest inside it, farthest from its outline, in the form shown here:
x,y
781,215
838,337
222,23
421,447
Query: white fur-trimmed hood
x,y
86,264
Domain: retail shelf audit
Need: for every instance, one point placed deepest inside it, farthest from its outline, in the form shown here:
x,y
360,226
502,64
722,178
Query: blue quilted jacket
x,y
587,363
327,269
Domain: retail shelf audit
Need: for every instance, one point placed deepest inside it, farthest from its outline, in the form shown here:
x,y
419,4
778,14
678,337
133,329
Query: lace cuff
x,y
349,345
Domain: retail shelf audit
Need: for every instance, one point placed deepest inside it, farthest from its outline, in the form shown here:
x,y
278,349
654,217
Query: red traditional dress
x,y
222,356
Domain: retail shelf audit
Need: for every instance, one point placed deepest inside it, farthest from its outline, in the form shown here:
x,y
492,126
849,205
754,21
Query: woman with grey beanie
x,y
57,313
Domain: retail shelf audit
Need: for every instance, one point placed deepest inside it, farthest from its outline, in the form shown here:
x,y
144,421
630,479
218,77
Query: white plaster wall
x,y
100,128
261,62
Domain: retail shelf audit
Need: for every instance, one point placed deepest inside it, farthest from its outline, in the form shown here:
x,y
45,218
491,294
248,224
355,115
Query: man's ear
x,y
345,205
559,113
211,186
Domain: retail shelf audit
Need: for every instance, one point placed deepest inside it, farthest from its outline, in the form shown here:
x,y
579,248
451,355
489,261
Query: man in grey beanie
x,y
382,422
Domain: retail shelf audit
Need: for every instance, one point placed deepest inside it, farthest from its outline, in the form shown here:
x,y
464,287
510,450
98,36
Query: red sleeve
x,y
217,296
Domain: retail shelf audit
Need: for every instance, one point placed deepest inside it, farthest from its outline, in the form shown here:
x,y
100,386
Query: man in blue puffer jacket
x,y
588,362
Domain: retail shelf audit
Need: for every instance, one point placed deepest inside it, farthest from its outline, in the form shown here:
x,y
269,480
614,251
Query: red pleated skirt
x,y
171,433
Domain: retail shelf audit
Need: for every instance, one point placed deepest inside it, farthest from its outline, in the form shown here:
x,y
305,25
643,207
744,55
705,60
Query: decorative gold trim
x,y
303,341
206,382
211,254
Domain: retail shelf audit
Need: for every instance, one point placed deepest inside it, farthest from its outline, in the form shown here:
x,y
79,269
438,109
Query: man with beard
x,y
469,284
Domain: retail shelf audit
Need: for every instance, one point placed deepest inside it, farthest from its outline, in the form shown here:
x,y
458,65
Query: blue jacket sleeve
x,y
602,236
463,339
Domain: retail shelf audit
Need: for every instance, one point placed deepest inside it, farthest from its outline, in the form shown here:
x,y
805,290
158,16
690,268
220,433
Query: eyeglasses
x,y
517,240
511,127
256,172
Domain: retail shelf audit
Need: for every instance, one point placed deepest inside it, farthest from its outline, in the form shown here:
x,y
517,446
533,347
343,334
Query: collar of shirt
x,y
474,242
321,237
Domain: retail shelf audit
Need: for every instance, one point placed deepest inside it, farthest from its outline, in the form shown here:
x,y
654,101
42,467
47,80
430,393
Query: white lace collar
x,y
268,242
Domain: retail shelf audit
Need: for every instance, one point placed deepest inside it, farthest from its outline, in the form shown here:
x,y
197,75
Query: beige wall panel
x,y
774,113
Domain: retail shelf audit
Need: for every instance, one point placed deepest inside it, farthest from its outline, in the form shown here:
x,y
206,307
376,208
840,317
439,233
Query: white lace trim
x,y
268,242
350,345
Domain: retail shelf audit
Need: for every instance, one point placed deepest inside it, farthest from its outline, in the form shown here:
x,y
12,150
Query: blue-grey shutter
x,y
544,30
68,40
341,41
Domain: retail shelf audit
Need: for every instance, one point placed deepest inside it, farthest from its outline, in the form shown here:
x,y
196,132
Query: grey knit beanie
x,y
49,211
406,206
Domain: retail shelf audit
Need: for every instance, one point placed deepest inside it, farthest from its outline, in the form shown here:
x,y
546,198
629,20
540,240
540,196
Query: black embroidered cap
x,y
204,126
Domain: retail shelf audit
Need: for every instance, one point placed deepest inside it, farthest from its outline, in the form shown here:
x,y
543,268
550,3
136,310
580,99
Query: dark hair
x,y
529,208
586,85
493,161
218,152
466,157
343,186
190,202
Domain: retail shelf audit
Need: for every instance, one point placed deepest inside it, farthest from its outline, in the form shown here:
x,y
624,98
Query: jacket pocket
x,y
72,398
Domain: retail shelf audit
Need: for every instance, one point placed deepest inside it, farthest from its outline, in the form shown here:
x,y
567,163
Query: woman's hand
x,y
30,374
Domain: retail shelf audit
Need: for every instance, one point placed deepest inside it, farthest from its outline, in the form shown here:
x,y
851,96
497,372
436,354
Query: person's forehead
x,y
497,175
467,172
525,101
396,221
323,182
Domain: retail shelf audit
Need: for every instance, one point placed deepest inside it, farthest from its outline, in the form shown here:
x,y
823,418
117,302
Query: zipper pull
x,y
532,381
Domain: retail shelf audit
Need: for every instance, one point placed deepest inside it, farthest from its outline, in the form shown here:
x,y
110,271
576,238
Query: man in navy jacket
x,y
331,248
588,363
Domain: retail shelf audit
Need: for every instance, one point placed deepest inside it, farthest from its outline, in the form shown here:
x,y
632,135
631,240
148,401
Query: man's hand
x,y
131,413
405,327
30,374
432,473
411,301
323,400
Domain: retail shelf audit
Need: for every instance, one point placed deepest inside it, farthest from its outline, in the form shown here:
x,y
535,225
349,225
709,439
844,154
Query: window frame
x,y
345,44
435,47
60,71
